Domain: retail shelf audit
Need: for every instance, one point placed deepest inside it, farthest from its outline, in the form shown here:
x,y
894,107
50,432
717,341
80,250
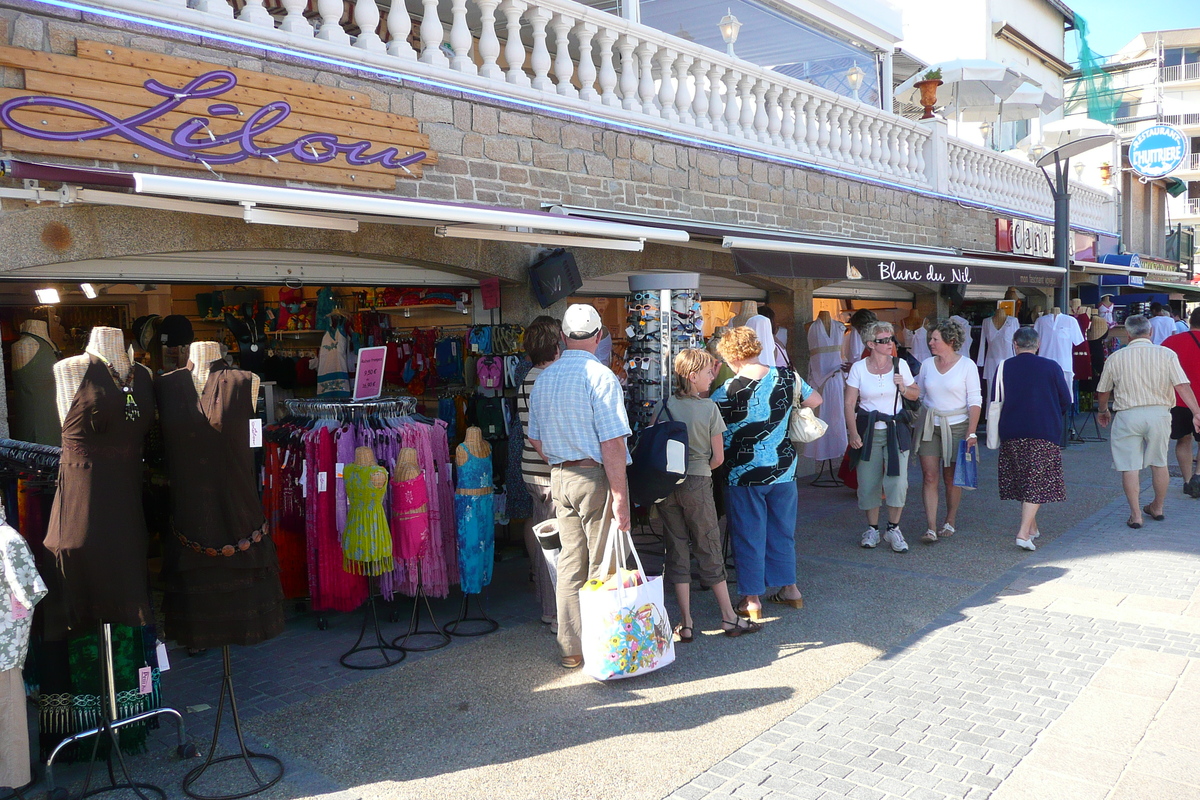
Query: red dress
x,y
1081,355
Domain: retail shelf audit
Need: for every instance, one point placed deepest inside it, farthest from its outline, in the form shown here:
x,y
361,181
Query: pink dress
x,y
410,518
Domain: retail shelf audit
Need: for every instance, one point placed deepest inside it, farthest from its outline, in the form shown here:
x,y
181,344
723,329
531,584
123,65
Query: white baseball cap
x,y
581,321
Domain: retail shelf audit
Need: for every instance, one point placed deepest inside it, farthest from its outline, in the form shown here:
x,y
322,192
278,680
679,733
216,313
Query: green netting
x,y
1094,90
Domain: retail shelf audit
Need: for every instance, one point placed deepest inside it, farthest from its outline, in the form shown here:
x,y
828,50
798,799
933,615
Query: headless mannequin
x,y
473,445
202,355
749,309
1056,311
365,457
407,467
107,344
25,348
823,318
999,318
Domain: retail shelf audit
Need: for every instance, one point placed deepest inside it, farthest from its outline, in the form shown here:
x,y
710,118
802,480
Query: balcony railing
x,y
576,58
1180,72
1193,207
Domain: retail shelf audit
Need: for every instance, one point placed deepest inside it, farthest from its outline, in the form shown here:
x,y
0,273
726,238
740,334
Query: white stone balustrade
x,y
582,59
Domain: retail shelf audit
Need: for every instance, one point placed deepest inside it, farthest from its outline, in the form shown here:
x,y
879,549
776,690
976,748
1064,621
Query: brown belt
x,y
583,462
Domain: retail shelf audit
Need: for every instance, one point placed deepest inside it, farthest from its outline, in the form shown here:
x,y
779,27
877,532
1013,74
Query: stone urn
x,y
928,96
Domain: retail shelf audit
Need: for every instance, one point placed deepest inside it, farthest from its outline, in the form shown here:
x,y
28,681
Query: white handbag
x,y
803,425
994,407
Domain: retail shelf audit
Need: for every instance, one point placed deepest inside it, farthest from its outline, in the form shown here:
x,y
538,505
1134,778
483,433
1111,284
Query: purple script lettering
x,y
193,141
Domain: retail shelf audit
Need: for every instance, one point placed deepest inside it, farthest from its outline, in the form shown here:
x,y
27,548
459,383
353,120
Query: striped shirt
x,y
1142,374
576,403
533,469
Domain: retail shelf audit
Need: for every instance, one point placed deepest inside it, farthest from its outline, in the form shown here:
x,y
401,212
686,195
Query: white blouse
x,y
878,392
957,388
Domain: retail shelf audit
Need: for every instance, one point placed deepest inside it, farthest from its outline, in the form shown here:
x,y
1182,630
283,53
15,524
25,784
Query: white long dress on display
x,y
967,338
1059,334
826,376
918,343
995,345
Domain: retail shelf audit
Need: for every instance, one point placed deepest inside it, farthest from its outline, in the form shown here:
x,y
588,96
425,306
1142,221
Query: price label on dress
x,y
255,432
339,471
322,481
19,611
164,663
145,681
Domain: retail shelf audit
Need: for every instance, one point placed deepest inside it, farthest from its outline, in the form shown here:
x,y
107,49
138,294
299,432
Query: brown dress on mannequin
x,y
219,564
97,529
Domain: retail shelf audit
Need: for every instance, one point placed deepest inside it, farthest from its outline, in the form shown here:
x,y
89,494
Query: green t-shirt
x,y
703,423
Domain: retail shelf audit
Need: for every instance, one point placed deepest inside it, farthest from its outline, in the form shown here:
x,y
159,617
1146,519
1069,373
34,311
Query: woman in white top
x,y
879,434
950,390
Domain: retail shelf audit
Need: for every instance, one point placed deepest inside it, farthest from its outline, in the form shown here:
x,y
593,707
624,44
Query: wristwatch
x,y
972,436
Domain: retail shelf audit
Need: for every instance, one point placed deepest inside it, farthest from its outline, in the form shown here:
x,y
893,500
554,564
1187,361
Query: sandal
x,y
739,628
794,602
572,662
929,537
1156,517
752,614
679,629
947,531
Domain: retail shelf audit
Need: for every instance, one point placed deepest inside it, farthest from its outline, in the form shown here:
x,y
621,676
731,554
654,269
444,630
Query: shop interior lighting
x,y
47,296
533,237
264,216
89,291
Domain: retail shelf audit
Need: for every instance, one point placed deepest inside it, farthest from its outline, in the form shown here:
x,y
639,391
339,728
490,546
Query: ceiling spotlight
x,y
89,291
46,296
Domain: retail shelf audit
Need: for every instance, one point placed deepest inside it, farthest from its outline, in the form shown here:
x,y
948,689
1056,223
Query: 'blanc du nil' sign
x,y
1158,151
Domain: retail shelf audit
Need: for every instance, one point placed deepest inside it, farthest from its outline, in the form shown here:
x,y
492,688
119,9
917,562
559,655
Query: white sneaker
x,y
870,537
896,539
1026,544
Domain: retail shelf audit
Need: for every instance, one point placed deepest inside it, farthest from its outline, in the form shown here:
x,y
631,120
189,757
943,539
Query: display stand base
x,y
110,729
390,654
1079,435
440,637
480,625
830,482
18,792
247,757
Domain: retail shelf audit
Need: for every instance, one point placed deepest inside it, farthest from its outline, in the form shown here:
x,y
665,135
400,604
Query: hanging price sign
x,y
368,379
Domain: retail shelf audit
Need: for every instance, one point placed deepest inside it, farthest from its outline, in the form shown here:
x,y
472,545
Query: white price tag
x,y
255,432
304,479
339,471
145,681
322,481
164,663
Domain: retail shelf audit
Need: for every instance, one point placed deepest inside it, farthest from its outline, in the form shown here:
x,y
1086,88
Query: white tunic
x,y
826,376
1106,313
995,345
918,343
967,338
1059,334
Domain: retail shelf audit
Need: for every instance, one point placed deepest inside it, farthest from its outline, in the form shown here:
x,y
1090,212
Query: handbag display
x,y
625,630
994,408
803,424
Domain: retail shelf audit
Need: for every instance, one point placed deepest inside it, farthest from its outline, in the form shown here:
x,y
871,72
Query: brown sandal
x,y
739,628
752,614
794,602
679,629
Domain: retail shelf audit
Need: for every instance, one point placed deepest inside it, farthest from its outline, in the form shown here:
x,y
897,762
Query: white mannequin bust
x,y
107,344
202,355
25,348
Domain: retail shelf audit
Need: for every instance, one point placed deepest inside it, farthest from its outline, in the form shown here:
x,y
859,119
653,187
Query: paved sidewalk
x,y
1075,675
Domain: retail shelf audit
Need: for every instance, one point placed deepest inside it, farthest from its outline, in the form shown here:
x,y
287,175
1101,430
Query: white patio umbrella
x,y
966,82
1059,132
1028,101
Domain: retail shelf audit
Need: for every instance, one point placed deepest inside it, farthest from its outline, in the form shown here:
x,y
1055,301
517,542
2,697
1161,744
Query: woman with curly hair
x,y
761,497
952,402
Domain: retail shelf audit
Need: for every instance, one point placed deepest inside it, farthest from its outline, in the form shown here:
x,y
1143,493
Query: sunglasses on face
x,y
884,341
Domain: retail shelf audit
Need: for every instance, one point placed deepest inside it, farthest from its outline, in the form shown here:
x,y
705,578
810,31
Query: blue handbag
x,y
966,467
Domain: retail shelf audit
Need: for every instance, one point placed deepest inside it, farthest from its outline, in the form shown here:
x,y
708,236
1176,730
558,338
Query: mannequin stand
x,y
486,624
18,792
109,728
831,482
1080,433
245,755
388,652
414,624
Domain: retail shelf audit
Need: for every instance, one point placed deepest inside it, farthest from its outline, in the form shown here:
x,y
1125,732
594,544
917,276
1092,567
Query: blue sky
x,y
1112,25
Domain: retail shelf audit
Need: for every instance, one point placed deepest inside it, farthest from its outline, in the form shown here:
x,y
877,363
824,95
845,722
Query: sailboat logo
x,y
852,272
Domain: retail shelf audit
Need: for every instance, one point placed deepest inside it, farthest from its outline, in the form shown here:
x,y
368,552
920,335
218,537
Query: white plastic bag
x,y
625,629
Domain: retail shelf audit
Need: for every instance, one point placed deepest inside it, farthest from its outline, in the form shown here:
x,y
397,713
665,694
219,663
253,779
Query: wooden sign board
x,y
114,104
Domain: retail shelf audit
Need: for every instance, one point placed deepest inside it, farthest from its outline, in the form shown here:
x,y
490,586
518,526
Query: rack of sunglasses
x,y
662,322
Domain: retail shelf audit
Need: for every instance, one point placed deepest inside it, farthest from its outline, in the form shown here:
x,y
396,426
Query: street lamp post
x,y
729,26
854,77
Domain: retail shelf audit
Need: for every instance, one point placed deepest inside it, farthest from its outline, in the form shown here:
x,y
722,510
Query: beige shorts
x,y
1140,438
933,447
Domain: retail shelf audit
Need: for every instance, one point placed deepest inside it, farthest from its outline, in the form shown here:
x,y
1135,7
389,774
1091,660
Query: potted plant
x,y
928,86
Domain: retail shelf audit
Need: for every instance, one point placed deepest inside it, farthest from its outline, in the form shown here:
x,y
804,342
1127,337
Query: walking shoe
x,y
929,537
1193,486
1026,544
870,537
896,539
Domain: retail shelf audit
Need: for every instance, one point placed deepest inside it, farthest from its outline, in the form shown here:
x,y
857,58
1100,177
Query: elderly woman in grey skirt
x,y
1035,397
952,400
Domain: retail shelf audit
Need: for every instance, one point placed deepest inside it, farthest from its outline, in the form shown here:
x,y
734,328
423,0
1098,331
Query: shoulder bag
x,y
803,424
994,407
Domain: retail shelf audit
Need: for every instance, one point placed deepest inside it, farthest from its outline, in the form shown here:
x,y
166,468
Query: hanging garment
x,y
333,366
330,586
34,414
367,541
918,343
410,518
762,327
995,345
1059,334
219,563
967,338
826,376
97,529
1081,354
476,532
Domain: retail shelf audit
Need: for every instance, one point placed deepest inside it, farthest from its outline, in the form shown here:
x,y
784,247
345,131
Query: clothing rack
x,y
398,405
39,457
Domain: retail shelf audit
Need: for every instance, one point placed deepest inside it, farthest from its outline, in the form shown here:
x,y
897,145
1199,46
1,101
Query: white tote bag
x,y
625,629
994,407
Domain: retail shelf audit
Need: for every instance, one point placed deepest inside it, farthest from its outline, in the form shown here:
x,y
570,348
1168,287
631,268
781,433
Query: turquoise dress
x,y
476,532
367,540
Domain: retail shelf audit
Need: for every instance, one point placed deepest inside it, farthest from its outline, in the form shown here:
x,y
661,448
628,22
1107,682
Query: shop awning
x,y
799,259
314,208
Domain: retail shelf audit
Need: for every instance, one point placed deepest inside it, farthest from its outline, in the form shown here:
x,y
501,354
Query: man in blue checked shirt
x,y
577,423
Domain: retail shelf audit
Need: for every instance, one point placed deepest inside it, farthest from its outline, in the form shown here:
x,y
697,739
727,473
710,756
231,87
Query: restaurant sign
x,y
858,268
114,104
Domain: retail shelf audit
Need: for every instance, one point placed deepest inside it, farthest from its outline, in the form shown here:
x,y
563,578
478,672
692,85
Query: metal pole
x,y
1062,231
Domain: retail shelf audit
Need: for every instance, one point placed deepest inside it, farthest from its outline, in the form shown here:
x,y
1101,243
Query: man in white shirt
x,y
1161,324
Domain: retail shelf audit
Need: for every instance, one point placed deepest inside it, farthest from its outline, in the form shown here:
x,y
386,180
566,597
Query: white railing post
x,y
539,59
746,102
460,38
857,143
331,22
514,50
432,34
787,128
760,111
587,67
629,73
716,106
733,125
608,75
399,25
489,42
645,54
564,66
700,94
255,13
295,22
666,92
219,8
774,119
683,97
366,17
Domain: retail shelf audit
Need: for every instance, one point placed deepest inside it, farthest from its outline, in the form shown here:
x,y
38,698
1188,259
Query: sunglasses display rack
x,y
662,322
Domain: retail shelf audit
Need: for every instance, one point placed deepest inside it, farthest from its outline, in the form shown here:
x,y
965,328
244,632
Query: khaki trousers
x,y
580,495
14,730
